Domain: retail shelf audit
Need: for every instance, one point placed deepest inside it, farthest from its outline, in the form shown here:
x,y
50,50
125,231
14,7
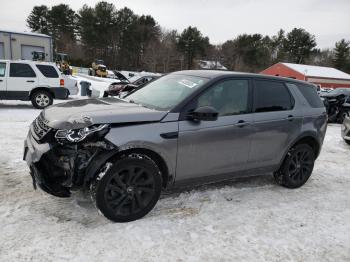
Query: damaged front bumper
x,y
57,168
33,152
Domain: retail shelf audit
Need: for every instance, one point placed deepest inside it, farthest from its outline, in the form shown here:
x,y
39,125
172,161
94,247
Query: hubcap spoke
x,y
145,189
115,189
139,200
146,182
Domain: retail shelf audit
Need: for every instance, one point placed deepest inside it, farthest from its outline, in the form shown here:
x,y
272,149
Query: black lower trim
x,y
59,92
14,95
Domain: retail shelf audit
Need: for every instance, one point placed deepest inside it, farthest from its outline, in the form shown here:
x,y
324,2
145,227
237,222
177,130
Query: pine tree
x,y
298,45
37,20
342,55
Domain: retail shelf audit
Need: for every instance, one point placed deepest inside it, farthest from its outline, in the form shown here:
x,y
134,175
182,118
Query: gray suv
x,y
185,128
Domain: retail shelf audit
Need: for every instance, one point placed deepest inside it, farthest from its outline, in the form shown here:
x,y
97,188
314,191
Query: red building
x,y
319,75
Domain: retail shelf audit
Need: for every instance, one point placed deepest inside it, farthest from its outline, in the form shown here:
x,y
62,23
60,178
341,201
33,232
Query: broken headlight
x,y
78,135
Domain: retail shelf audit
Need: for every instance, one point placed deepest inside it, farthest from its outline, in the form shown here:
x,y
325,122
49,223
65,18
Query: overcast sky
x,y
220,20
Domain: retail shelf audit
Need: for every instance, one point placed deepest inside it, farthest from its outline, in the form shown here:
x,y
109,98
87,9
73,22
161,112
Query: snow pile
x,y
251,219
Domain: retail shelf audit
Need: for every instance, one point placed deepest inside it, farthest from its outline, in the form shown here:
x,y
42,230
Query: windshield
x,y
166,92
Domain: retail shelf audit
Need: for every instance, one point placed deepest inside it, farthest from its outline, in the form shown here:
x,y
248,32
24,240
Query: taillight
x,y
61,82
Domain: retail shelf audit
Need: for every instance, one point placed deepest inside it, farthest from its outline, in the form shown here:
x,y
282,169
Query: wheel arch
x,y
44,88
114,156
308,138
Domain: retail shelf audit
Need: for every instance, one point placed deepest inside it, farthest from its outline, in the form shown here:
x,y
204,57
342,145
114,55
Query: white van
x,y
38,82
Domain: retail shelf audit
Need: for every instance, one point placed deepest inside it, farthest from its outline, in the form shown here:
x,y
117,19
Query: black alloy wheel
x,y
129,189
297,167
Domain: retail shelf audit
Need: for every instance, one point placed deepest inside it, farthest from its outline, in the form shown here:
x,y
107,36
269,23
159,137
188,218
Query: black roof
x,y
211,74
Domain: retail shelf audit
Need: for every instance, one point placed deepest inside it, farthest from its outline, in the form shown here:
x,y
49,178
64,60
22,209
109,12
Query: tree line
x,y
125,40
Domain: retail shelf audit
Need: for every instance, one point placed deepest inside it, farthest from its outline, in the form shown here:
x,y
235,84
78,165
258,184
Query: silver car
x,y
185,128
345,131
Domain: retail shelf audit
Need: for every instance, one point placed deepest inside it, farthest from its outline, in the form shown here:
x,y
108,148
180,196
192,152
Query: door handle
x,y
241,123
30,81
1,80
290,118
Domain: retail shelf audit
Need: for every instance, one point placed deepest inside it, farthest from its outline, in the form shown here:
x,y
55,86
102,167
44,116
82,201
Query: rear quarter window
x,y
310,94
48,71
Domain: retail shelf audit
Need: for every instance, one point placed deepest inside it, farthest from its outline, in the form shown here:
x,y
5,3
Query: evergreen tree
x,y
192,44
37,20
298,45
342,55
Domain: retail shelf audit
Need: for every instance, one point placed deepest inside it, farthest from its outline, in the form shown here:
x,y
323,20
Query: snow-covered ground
x,y
246,220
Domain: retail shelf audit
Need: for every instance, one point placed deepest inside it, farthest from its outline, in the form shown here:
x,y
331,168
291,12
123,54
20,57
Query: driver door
x,y
207,148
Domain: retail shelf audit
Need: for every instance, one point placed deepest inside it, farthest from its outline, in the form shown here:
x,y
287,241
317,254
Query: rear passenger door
x,y
3,71
22,79
276,121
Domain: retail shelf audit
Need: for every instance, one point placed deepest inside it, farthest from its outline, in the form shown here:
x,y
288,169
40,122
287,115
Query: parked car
x,y
128,86
35,81
337,103
345,131
185,128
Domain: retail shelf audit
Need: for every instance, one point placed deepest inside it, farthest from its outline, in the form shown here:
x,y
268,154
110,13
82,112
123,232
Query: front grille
x,y
40,127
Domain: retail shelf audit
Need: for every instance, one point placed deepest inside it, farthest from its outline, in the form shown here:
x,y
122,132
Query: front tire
x,y
128,189
41,99
297,167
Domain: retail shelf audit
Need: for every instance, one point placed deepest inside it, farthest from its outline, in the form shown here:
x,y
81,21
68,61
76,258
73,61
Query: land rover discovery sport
x,y
183,128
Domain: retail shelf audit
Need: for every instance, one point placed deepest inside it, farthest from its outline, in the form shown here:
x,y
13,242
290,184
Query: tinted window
x,y
229,97
48,71
2,69
271,96
310,95
21,70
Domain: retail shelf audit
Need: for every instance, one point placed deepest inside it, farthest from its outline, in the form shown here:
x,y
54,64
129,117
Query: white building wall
x,y
13,43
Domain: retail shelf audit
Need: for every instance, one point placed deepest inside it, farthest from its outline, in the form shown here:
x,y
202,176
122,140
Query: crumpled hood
x,y
82,113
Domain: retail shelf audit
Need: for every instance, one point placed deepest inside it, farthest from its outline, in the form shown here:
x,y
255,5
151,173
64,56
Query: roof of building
x,y
318,71
24,33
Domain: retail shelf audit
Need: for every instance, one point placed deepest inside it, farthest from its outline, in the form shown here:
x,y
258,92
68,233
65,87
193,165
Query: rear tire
x,y
297,167
41,99
128,189
347,141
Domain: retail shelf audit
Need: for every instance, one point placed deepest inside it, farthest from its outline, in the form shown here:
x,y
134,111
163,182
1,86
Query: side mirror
x,y
205,113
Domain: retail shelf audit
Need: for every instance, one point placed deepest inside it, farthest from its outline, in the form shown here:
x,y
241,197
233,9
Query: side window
x,y
230,97
48,71
271,96
2,69
310,94
21,70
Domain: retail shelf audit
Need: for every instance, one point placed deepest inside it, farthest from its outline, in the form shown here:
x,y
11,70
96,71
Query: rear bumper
x,y
345,129
59,92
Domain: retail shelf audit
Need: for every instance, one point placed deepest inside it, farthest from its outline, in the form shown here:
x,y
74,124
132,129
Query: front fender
x,y
148,136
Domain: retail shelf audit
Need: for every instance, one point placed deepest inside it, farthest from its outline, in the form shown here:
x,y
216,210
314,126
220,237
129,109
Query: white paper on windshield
x,y
187,83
